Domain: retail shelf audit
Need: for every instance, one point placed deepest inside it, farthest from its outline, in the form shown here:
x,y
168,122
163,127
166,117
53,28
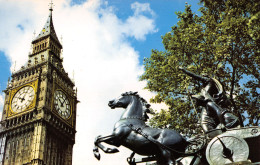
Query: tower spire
x,y
48,29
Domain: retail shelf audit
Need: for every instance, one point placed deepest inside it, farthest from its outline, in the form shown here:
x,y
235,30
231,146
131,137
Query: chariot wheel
x,y
225,149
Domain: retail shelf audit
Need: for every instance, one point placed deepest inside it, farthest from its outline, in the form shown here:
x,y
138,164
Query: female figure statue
x,y
215,112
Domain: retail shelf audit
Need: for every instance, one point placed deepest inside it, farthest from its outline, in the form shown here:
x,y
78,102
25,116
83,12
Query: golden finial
x,y
51,5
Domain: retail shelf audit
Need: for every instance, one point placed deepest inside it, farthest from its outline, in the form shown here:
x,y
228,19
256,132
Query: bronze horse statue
x,y
132,132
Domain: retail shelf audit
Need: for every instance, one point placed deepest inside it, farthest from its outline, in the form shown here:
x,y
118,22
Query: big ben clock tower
x,y
39,117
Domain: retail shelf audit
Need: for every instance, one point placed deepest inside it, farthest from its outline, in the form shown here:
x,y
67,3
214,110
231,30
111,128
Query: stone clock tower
x,y
39,117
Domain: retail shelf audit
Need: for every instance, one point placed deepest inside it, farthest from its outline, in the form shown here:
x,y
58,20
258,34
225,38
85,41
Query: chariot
x,y
232,147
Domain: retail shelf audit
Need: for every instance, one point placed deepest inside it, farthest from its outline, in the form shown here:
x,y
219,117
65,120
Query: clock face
x,y
62,104
22,99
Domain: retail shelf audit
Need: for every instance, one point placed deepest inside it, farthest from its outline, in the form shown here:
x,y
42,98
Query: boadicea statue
x,y
215,112
168,147
162,145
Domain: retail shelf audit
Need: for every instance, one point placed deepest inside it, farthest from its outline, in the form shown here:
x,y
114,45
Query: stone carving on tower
x,y
39,116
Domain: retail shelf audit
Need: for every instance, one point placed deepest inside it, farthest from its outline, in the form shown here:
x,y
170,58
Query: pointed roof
x,y
48,29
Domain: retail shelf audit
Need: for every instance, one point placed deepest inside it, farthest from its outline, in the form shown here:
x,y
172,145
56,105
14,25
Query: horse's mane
x,y
142,100
147,105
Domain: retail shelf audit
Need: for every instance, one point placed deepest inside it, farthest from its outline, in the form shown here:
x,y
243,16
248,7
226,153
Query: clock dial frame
x,y
62,104
22,99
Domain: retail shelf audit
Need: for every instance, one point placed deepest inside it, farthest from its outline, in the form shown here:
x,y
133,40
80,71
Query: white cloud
x,y
138,25
96,48
140,8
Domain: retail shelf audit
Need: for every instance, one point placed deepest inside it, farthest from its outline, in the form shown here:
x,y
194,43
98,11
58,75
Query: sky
x,y
104,44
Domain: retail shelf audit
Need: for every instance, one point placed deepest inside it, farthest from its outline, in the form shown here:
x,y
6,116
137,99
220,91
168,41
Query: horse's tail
x,y
195,145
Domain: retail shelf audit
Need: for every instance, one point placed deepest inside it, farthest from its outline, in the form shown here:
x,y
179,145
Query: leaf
x,y
223,41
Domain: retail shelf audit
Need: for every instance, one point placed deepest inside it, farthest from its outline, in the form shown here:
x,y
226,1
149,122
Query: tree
x,y
222,41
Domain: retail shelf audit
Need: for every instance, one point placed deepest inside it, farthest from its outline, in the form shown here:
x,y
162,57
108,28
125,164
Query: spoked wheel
x,y
225,149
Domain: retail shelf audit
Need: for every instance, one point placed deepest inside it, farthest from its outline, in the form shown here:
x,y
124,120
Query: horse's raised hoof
x,y
97,155
112,150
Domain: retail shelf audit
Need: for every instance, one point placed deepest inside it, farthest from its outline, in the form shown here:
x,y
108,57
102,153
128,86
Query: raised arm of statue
x,y
195,76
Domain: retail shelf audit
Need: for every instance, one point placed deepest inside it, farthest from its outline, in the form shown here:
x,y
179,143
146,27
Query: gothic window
x,y
17,145
42,56
49,150
13,147
7,150
2,147
24,141
28,141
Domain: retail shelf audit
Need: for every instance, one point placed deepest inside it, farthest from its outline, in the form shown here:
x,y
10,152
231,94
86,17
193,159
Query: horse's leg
x,y
107,139
95,149
97,144
96,152
165,157
131,160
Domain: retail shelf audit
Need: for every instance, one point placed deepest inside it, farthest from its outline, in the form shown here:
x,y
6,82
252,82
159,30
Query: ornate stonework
x,y
34,128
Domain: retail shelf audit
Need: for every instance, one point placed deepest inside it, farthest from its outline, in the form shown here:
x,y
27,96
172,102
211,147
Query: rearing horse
x,y
124,134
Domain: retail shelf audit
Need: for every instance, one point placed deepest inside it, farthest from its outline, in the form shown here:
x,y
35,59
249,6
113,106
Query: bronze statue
x,y
215,112
168,147
132,132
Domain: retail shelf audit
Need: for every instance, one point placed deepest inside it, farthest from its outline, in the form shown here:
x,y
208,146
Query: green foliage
x,y
222,41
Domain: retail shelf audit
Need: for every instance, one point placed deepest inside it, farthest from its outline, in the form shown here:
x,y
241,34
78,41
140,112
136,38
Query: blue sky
x,y
165,18
4,70
104,43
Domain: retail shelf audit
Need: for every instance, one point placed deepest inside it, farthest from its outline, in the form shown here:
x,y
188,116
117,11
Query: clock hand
x,y
61,103
22,97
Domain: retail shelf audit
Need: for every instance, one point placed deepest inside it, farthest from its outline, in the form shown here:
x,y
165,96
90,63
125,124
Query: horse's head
x,y
139,106
122,101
